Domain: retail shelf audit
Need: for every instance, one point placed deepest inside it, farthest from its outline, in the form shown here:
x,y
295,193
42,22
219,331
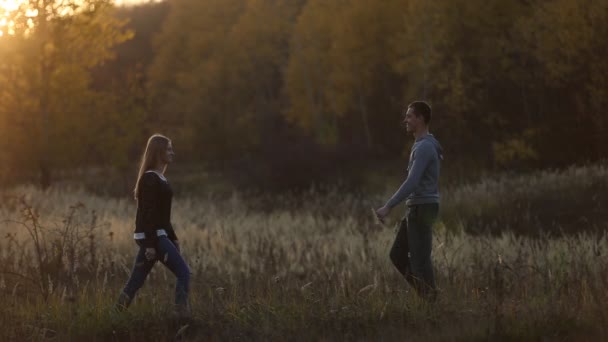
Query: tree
x,y
186,88
465,58
54,47
219,67
308,68
567,40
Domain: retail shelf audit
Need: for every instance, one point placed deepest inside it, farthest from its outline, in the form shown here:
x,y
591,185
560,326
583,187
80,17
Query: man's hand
x,y
150,253
382,213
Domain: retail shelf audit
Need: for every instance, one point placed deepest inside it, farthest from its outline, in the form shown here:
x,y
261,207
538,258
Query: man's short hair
x,y
421,108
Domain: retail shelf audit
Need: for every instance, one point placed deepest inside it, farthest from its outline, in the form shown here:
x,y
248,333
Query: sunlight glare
x,y
3,24
10,5
7,6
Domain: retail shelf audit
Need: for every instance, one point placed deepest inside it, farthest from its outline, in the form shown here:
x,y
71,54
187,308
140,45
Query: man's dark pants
x,y
411,251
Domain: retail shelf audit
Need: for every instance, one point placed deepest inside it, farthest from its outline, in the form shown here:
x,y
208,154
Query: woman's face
x,y
166,157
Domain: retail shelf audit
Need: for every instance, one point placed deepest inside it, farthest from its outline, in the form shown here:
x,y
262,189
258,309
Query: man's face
x,y
412,121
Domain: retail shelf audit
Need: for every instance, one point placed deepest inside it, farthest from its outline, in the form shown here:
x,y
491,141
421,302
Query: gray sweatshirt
x,y
422,183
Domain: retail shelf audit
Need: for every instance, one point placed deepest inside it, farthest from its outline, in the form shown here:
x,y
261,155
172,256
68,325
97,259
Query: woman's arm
x,y
147,203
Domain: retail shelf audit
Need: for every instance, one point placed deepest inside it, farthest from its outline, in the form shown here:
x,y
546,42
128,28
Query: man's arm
x,y
422,157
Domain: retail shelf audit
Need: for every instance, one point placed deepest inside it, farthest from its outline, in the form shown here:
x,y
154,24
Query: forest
x,y
303,91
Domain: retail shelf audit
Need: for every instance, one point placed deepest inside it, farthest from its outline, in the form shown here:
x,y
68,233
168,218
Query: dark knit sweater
x,y
153,208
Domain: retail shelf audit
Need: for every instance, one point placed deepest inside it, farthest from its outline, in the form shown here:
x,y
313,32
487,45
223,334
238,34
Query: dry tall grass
x,y
313,267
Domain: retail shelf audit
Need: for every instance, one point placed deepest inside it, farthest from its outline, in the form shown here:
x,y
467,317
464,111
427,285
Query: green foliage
x,y
49,119
308,68
567,40
231,80
219,69
515,150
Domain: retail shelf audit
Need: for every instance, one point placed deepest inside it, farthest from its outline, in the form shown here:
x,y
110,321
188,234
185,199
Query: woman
x,y
153,230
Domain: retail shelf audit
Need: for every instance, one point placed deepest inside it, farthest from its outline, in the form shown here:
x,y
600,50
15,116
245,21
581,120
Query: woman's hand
x,y
150,254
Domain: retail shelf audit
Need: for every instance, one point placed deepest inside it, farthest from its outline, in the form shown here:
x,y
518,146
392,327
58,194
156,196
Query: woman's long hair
x,y
157,145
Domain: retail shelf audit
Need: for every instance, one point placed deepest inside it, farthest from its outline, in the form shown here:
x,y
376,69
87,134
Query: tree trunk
x,y
45,84
365,122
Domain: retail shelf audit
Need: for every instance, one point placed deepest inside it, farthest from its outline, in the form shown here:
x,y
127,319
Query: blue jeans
x,y
411,251
167,253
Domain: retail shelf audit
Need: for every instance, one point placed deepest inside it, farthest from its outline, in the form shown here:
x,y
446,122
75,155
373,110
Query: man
x,y
411,251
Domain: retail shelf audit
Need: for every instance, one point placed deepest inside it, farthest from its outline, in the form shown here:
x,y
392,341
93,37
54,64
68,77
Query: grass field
x,y
313,266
